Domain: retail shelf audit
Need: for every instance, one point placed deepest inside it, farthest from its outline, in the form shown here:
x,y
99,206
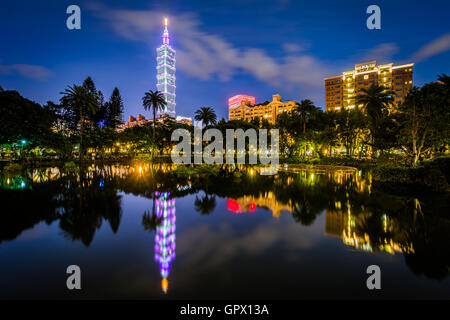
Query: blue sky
x,y
223,48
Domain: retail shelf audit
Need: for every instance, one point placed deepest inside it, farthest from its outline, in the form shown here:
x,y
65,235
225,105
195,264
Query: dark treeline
x,y
84,124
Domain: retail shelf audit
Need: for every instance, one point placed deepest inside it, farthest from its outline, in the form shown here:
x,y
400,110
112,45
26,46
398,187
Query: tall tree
x,y
100,111
376,101
445,80
207,115
114,109
422,116
350,126
24,120
79,99
306,110
154,100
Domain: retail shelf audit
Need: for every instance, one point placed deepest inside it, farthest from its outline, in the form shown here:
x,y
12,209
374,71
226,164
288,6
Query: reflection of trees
x,y
23,209
305,213
430,239
416,224
420,228
151,221
84,206
205,204
80,205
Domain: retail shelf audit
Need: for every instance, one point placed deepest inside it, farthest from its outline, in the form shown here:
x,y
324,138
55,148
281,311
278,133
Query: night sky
x,y
223,47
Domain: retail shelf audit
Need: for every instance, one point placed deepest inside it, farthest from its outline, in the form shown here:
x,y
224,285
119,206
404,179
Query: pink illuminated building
x,y
236,101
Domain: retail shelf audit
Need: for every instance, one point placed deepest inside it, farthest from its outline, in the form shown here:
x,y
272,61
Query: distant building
x,y
141,120
267,110
341,91
184,120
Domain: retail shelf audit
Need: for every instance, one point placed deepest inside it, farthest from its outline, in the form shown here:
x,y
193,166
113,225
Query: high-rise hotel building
x,y
165,73
341,91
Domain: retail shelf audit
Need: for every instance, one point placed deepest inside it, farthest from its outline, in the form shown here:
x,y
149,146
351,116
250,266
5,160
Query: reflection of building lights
x,y
233,206
344,226
265,201
165,235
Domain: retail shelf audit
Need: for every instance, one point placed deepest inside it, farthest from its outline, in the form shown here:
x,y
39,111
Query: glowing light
x,y
165,235
234,206
165,284
165,73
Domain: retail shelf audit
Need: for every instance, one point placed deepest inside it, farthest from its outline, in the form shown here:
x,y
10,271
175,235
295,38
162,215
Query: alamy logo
x,y
374,21
74,20
214,152
374,280
74,280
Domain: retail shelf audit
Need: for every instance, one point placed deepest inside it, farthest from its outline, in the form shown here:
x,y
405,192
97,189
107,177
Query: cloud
x,y
383,53
292,47
204,56
433,48
207,56
27,70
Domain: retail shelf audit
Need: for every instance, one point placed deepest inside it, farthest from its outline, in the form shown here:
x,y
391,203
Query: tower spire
x,y
166,37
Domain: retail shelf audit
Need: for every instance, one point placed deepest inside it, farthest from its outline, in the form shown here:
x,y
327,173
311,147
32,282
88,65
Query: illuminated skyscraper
x,y
165,235
165,73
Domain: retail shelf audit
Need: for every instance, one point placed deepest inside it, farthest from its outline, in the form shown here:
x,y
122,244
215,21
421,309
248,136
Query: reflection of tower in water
x,y
165,235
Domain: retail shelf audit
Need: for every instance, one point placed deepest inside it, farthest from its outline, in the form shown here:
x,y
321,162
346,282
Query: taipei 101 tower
x,y
165,72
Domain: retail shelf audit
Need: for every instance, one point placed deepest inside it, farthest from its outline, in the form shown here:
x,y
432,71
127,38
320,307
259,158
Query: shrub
x,y
427,176
12,167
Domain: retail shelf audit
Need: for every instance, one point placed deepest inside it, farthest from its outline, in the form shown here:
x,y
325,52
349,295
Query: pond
x,y
158,231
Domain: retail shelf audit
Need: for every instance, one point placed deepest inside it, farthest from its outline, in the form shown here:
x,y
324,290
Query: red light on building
x,y
235,101
252,206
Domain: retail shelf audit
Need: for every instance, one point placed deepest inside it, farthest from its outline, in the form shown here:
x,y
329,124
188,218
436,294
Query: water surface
x,y
152,232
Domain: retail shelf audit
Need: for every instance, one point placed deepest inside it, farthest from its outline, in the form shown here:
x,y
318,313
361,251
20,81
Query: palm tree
x,y
445,80
376,101
306,109
82,101
206,204
207,115
154,100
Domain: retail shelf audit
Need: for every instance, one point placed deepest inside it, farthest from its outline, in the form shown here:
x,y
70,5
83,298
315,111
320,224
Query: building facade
x,y
268,110
165,73
141,120
341,91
